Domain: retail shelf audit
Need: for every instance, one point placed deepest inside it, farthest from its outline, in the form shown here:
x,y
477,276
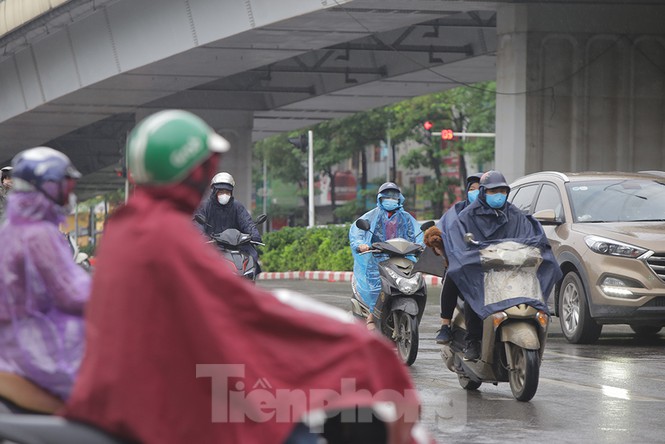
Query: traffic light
x,y
427,134
447,134
300,142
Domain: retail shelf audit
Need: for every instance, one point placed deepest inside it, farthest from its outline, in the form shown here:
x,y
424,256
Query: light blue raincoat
x,y
365,266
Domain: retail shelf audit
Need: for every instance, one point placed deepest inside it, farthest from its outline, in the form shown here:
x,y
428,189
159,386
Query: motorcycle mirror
x,y
469,239
427,225
202,220
260,219
363,224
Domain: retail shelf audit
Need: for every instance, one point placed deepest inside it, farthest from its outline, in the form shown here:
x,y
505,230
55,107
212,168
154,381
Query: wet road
x,y
609,392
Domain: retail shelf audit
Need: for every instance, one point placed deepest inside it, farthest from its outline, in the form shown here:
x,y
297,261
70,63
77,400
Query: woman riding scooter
x,y
42,290
387,221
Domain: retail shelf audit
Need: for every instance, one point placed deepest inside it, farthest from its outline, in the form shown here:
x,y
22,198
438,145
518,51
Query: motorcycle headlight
x,y
405,285
611,247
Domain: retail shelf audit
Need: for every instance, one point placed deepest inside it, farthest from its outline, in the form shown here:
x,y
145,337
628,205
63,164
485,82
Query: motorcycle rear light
x,y
498,318
542,318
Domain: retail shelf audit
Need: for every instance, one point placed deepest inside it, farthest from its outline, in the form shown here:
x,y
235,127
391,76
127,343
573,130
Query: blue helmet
x,y
46,170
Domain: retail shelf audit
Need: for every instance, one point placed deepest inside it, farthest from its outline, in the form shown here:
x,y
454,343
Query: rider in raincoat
x,y
387,221
182,350
42,290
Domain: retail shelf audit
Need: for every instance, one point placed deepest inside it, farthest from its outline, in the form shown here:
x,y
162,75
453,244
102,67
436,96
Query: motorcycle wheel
x,y
406,338
468,384
524,373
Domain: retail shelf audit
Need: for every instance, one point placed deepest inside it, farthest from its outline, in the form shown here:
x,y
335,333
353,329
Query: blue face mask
x,y
496,200
389,204
471,196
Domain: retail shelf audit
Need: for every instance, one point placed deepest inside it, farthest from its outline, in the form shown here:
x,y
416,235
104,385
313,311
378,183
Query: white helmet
x,y
222,181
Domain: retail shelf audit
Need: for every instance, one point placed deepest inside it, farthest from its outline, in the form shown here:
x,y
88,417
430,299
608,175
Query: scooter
x,y
513,339
330,427
82,259
404,291
229,242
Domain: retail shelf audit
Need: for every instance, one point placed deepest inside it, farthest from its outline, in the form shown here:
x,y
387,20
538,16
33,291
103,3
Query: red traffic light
x,y
428,125
447,134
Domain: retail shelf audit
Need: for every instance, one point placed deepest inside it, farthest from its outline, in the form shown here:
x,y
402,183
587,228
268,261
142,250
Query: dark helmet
x,y
46,170
6,173
493,179
389,186
473,178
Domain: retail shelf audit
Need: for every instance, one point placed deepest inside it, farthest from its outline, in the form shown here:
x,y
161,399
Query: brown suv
x,y
607,231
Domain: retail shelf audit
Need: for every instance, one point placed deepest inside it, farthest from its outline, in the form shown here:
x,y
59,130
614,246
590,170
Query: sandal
x,y
371,326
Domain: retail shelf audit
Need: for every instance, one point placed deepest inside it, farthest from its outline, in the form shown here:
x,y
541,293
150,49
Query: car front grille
x,y
657,264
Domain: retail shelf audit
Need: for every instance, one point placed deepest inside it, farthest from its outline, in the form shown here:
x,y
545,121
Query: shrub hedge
x,y
305,249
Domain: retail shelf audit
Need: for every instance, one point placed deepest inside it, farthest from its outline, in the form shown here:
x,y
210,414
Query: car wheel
x,y
576,323
646,330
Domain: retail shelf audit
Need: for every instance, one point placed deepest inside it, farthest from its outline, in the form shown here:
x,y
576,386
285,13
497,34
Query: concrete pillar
x,y
236,127
580,87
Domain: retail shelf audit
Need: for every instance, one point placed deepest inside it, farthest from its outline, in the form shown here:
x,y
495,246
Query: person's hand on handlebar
x,y
363,247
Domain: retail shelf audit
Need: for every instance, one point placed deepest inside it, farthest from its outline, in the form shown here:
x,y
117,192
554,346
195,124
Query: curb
x,y
329,276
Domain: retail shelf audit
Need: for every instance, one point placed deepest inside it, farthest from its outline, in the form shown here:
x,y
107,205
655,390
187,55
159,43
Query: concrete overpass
x,y
580,82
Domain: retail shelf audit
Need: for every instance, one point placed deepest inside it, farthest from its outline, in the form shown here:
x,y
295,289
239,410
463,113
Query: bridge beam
x,y
580,87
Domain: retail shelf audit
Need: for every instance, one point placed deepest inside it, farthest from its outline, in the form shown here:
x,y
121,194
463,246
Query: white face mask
x,y
223,199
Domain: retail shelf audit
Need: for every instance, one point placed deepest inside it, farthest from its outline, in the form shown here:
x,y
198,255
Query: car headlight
x,y
405,285
611,247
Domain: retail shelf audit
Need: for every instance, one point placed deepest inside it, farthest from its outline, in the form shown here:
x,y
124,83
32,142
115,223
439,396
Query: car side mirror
x,y
546,217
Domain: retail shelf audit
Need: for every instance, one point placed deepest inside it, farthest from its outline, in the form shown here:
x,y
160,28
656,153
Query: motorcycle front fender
x,y
522,334
406,305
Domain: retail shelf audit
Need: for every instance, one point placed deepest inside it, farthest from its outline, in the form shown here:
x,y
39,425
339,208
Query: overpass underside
x,y
575,89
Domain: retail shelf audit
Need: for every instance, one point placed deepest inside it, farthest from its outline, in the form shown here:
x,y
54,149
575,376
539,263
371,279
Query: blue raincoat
x,y
42,295
507,234
382,227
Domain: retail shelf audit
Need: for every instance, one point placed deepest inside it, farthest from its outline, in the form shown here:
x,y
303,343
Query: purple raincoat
x,y
42,295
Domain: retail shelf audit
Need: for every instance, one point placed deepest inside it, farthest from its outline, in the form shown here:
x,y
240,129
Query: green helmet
x,y
166,146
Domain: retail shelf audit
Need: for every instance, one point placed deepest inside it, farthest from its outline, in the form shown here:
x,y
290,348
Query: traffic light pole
x,y
310,157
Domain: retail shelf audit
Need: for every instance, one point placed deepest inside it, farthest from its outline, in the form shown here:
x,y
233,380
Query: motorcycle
x,y
513,339
329,427
229,242
403,289
80,257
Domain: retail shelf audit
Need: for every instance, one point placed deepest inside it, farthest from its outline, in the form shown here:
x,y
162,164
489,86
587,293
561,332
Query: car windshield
x,y
617,200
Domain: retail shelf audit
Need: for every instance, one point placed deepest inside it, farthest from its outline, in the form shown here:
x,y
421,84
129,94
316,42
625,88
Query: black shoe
x,y
472,351
445,335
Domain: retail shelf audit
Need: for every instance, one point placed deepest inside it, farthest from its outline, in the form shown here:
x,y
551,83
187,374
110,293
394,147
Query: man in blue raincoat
x,y
387,221
490,219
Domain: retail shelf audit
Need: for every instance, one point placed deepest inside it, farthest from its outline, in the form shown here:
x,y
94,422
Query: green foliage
x,y
303,249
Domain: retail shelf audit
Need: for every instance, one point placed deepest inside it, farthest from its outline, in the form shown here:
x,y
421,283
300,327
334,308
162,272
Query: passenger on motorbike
x,y
5,186
42,290
449,290
182,350
490,217
387,221
222,211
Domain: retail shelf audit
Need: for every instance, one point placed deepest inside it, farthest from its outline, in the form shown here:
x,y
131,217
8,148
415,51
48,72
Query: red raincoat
x,y
169,325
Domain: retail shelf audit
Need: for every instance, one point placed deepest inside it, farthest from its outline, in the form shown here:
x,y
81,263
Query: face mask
x,y
472,196
389,204
223,199
496,200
